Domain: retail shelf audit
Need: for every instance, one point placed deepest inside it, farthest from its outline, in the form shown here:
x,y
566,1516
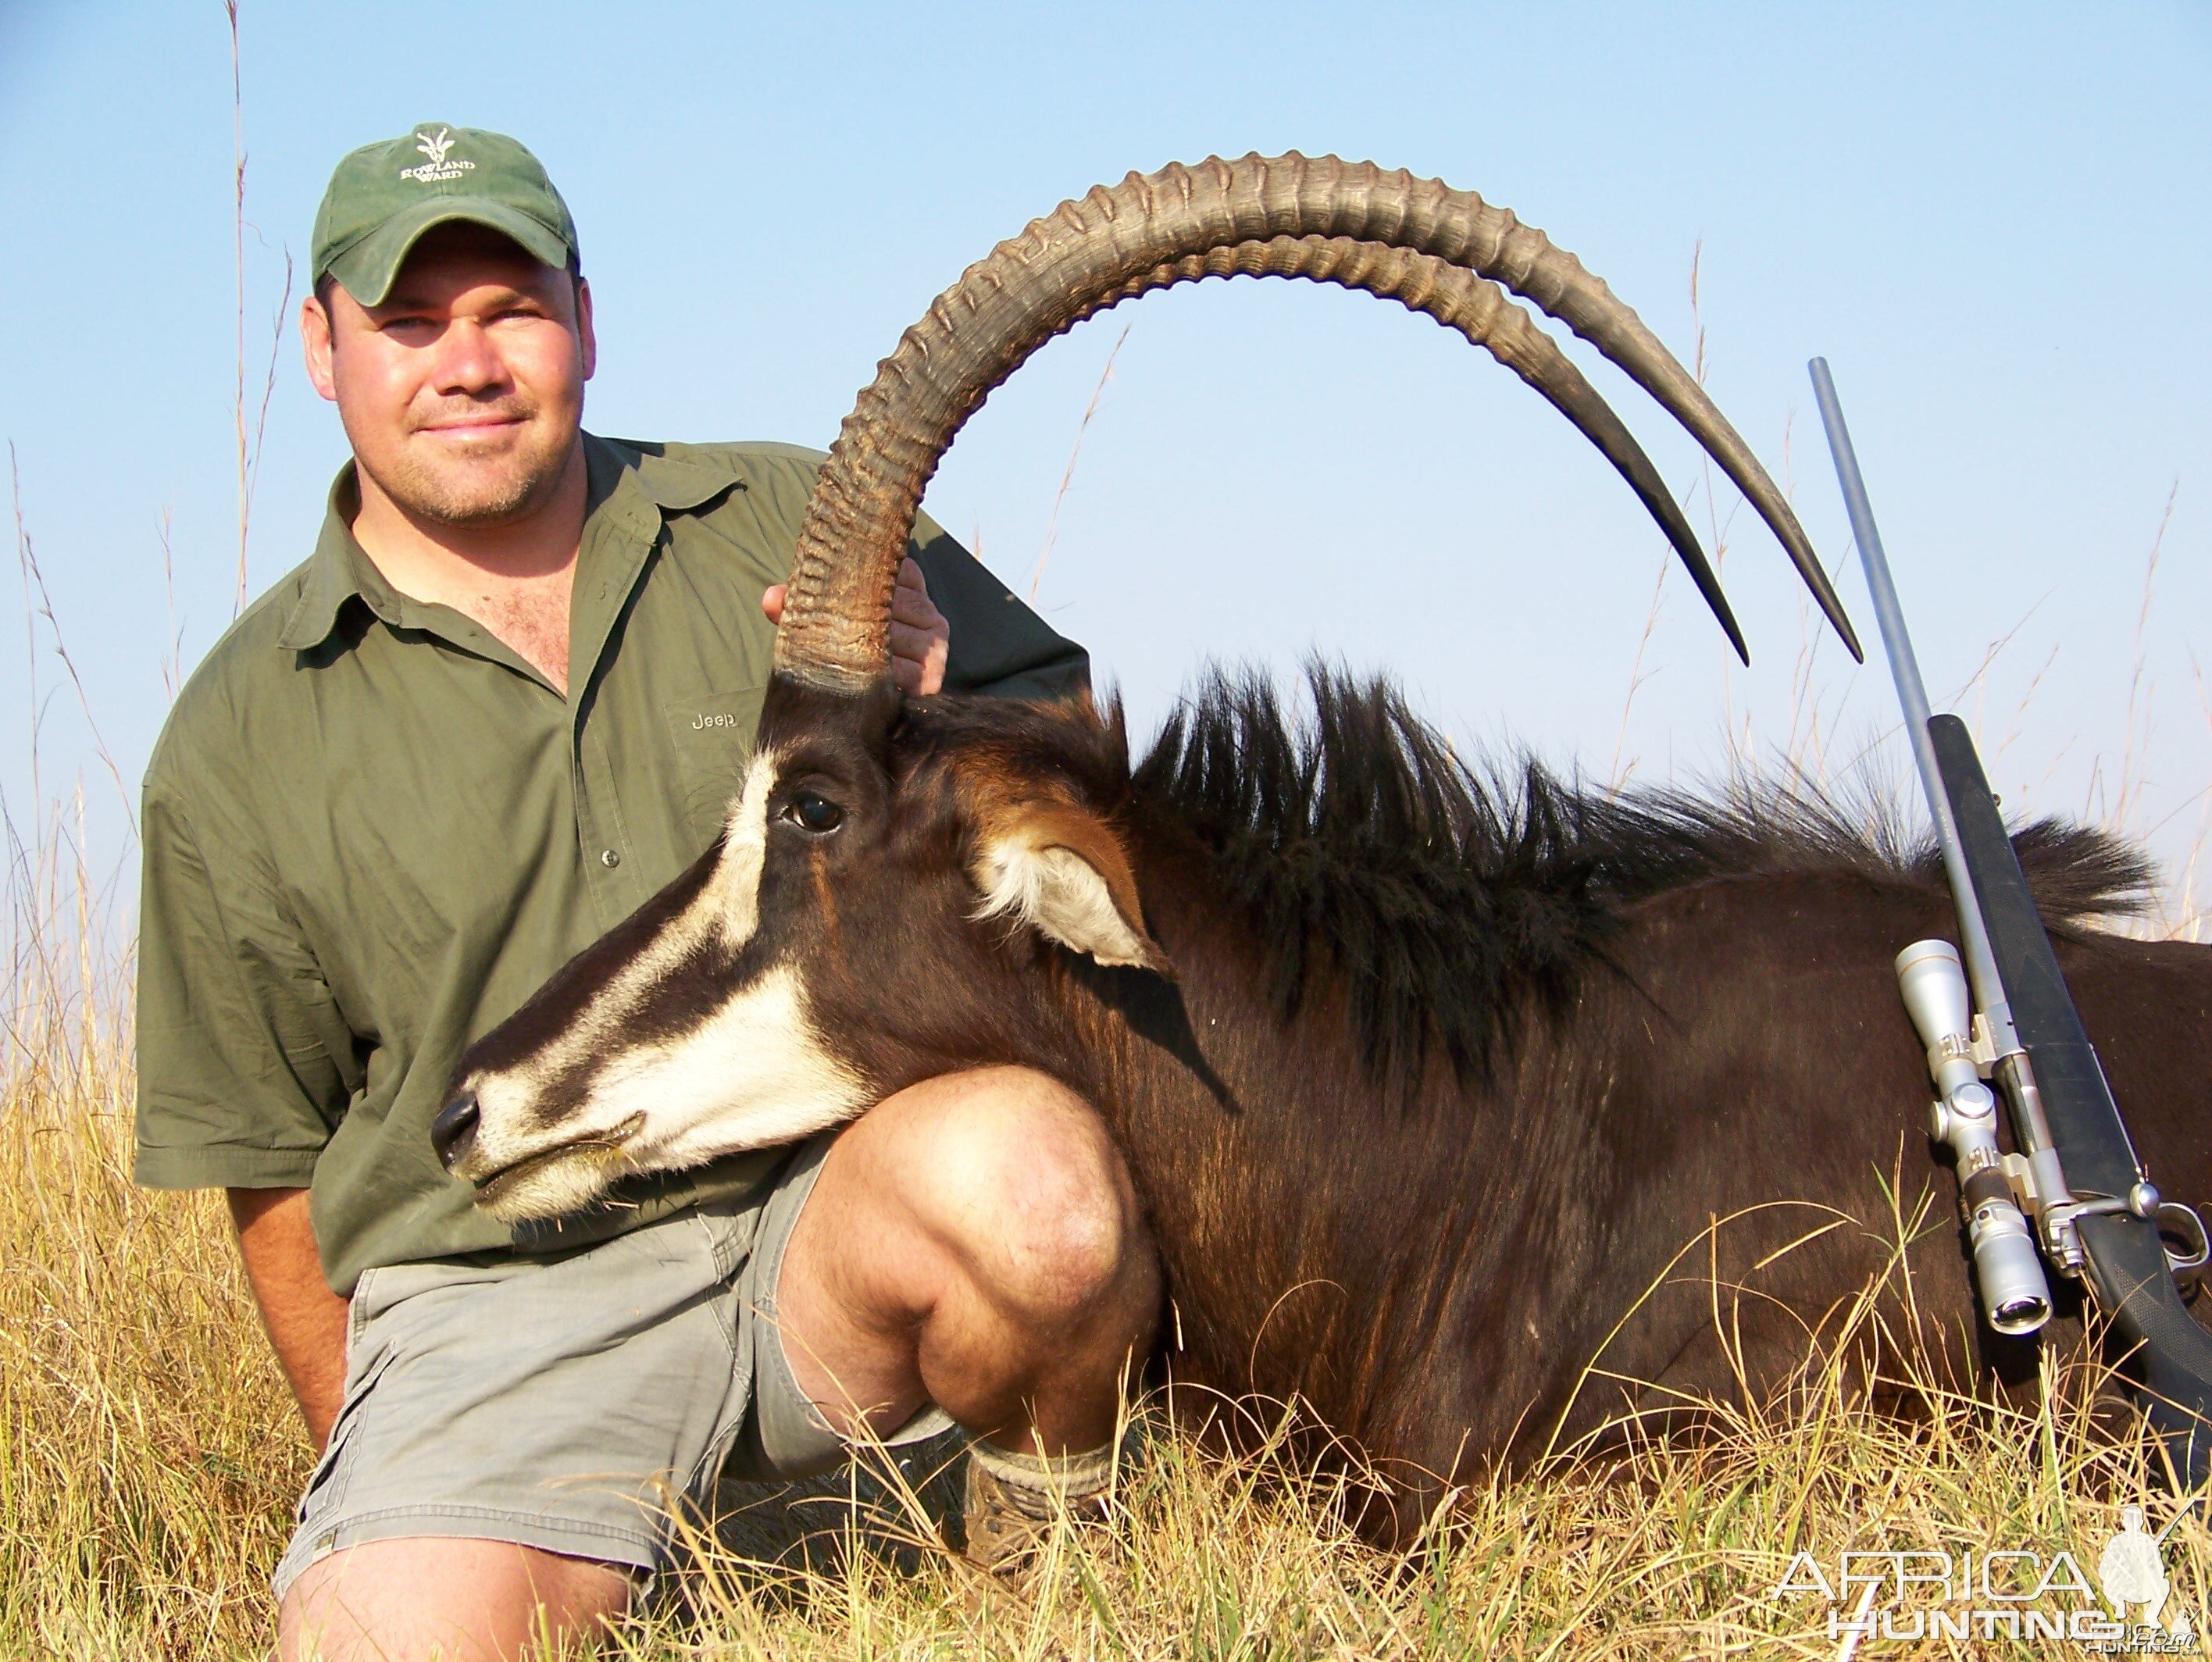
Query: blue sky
x,y
1993,221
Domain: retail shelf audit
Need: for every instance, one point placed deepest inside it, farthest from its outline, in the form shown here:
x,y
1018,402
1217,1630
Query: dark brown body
x,y
1432,1267
1433,1281
1435,1072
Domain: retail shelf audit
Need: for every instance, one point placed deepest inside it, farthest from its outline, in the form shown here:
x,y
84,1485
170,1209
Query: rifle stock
x,y
2125,1260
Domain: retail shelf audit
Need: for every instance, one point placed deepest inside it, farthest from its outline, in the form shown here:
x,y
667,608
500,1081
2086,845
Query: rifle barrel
x,y
1912,695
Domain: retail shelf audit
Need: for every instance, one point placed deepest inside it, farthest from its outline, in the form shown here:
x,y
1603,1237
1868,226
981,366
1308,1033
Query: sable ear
x,y
1064,872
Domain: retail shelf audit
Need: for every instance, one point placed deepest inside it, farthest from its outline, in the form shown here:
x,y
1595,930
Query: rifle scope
x,y
2015,1297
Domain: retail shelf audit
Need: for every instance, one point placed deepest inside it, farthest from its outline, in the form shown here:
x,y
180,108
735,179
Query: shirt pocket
x,y
712,736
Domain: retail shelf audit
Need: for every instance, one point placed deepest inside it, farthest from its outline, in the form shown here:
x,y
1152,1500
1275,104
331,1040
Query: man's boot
x,y
1014,1498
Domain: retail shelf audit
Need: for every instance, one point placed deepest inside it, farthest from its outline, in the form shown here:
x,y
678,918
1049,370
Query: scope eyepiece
x,y
2015,1297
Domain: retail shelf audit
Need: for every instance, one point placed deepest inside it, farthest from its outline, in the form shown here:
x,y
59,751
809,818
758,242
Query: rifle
x,y
2097,1217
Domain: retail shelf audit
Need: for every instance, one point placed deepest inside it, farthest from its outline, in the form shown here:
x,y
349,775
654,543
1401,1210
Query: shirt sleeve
x,y
999,646
237,1088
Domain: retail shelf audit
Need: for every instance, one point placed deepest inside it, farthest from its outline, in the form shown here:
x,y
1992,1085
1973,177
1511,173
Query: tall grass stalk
x,y
1074,455
248,434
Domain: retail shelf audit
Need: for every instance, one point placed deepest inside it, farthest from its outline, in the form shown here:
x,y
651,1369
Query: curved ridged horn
x,y
1153,230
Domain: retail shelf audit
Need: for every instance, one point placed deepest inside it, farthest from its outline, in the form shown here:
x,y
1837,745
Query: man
x,y
505,700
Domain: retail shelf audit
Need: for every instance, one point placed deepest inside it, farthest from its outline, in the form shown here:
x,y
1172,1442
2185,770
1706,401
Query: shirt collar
x,y
626,481
676,483
337,572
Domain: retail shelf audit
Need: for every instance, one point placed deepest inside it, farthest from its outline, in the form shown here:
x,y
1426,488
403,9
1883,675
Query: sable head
x,y
887,874
863,919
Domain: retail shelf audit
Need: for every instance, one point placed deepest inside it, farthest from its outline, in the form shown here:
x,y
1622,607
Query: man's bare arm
x,y
307,1321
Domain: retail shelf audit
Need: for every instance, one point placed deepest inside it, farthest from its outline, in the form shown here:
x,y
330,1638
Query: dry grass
x,y
149,1457
148,1454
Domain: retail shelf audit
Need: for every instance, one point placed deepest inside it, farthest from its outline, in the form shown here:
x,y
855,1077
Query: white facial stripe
x,y
745,851
729,904
753,1076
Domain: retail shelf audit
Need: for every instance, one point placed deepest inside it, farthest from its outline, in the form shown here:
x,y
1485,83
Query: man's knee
x,y
468,1599
1020,1180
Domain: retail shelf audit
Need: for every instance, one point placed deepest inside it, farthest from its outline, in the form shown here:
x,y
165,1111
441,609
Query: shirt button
x,y
610,858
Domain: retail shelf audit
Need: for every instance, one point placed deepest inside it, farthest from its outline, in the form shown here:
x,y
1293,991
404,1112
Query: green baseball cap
x,y
384,196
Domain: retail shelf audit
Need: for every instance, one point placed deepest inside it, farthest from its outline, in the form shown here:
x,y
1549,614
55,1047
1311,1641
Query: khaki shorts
x,y
548,1401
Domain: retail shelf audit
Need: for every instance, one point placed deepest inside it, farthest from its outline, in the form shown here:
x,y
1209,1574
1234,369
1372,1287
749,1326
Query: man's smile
x,y
473,427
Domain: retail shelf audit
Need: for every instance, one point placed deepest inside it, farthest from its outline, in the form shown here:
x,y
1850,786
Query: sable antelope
x,y
1425,1073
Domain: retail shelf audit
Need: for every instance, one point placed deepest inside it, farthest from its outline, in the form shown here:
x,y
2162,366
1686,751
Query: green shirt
x,y
372,830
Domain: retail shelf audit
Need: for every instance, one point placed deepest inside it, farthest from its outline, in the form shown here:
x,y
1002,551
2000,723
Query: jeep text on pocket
x,y
712,738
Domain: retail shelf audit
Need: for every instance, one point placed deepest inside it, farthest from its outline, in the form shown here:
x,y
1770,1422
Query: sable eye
x,y
816,814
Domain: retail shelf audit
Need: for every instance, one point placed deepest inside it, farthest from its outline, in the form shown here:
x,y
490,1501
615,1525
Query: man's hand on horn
x,y
920,638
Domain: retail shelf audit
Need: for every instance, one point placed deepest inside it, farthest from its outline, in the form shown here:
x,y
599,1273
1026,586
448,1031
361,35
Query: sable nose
x,y
454,1128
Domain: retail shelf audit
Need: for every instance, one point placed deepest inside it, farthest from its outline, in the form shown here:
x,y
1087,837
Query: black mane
x,y
1448,896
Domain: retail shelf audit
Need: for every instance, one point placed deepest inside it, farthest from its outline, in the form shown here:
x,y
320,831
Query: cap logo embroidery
x,y
437,168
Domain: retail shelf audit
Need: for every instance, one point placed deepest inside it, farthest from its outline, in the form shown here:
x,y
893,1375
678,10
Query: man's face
x,y
463,392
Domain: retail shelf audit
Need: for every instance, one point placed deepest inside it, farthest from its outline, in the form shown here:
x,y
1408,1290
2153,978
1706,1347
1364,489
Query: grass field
x,y
150,1456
